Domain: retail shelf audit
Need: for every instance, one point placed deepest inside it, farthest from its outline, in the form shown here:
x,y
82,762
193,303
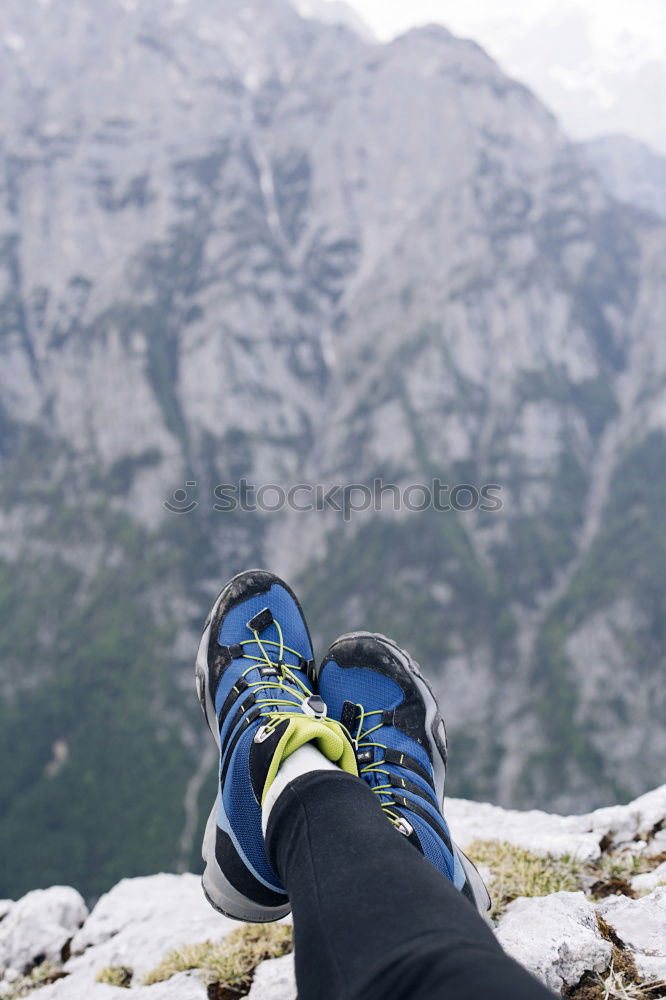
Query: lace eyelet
x,y
403,827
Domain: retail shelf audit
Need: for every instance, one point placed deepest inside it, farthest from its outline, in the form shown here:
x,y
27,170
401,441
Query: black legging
x,y
372,918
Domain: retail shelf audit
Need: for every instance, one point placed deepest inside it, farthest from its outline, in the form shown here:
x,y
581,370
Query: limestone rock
x,y
38,926
184,986
141,919
556,937
547,833
641,925
648,881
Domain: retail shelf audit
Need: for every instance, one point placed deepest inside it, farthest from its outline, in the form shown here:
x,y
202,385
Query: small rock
x,y
556,937
651,967
274,979
38,926
650,880
641,926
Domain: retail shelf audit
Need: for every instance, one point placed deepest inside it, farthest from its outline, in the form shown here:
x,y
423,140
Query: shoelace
x,y
383,791
285,683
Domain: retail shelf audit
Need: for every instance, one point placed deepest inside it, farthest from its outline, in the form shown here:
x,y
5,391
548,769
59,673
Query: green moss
x,y
229,963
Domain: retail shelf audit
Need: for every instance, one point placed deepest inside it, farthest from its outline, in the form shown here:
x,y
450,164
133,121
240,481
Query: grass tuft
x,y
620,981
615,984
116,975
41,975
518,872
614,871
227,966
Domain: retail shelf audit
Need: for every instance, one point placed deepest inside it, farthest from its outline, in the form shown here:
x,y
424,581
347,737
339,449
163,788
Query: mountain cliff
x,y
239,244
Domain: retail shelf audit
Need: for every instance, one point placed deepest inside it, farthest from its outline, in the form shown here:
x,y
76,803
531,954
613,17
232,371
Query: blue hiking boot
x,y
253,675
376,690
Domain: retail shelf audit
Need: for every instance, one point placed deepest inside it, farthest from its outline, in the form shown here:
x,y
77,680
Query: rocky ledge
x,y
579,900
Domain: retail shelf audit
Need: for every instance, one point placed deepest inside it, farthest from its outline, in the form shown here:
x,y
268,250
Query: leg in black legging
x,y
372,918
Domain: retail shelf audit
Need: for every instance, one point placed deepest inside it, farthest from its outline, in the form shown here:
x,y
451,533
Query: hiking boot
x,y
253,674
377,691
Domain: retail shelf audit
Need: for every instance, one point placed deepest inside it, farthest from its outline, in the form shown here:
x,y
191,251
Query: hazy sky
x,y
608,17
600,64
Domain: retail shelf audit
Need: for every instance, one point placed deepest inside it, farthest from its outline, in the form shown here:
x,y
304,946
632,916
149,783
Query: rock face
x,y
564,938
239,244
